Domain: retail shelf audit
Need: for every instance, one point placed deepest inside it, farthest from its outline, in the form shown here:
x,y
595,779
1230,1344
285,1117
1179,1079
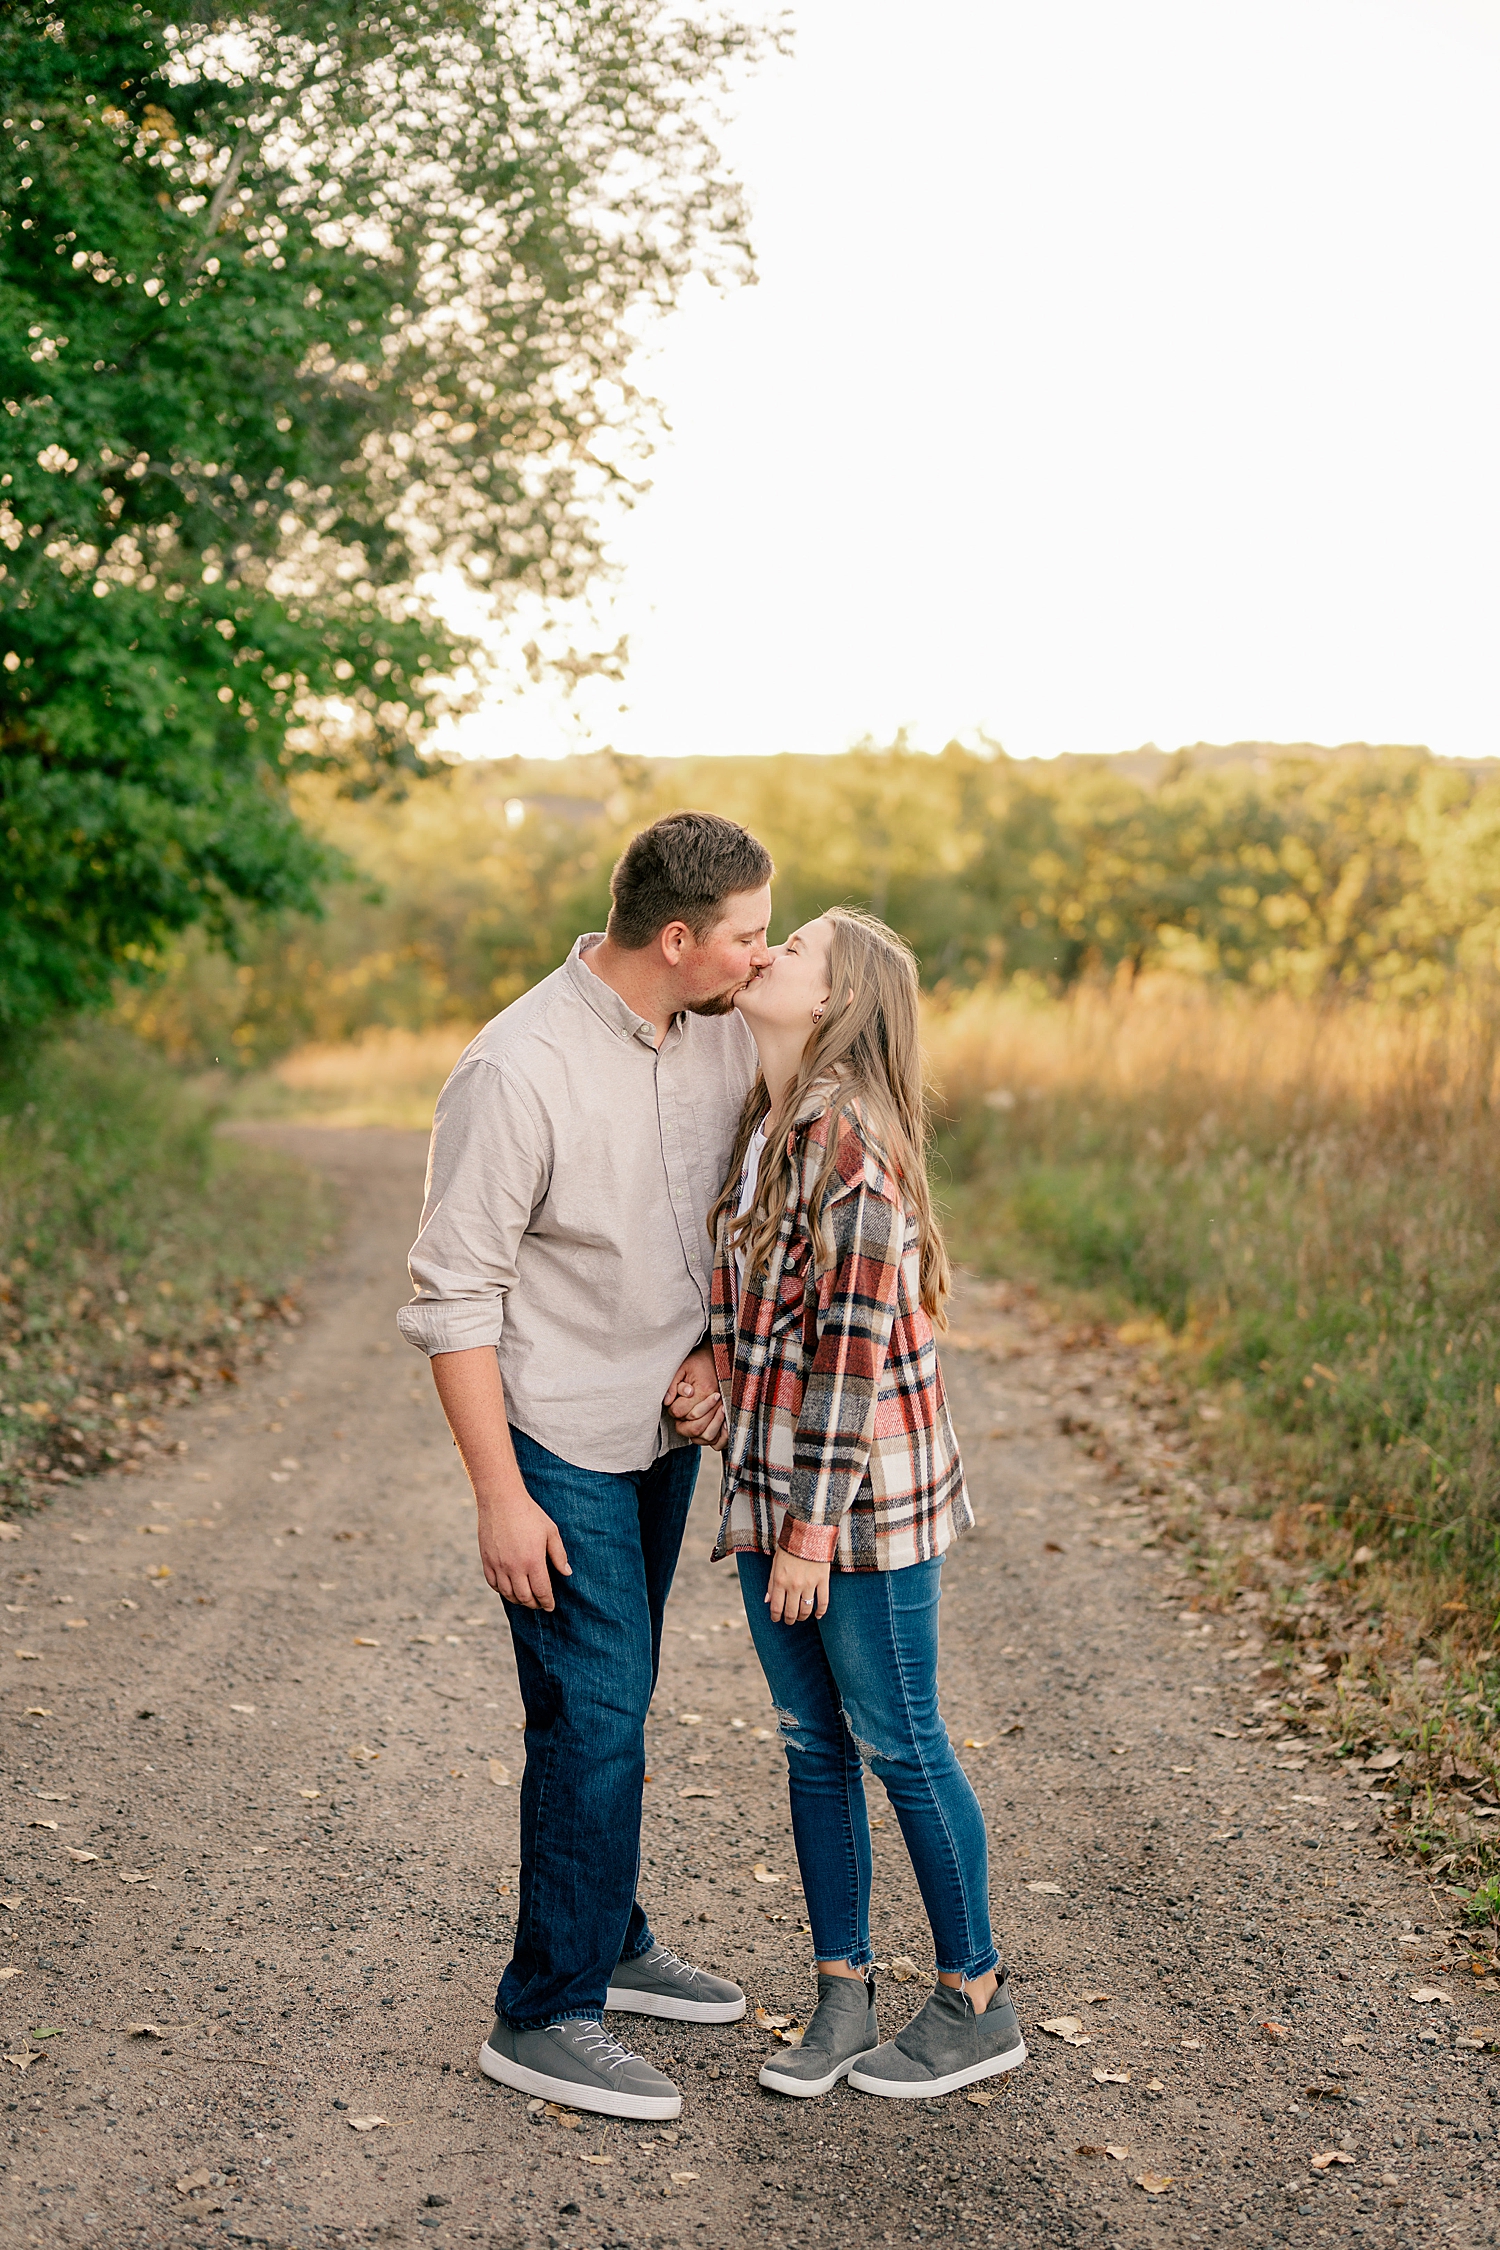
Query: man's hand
x,y
798,1590
517,1540
693,1401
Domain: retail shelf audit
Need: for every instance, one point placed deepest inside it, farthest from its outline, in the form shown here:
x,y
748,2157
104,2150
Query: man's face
x,y
733,952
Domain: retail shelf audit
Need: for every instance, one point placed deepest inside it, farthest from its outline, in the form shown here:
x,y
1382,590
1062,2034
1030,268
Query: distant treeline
x,y
1374,871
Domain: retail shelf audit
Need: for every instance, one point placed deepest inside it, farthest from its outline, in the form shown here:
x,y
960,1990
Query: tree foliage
x,y
1374,874
300,307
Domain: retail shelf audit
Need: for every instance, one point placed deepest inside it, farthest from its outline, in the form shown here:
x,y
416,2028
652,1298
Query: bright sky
x,y
1115,374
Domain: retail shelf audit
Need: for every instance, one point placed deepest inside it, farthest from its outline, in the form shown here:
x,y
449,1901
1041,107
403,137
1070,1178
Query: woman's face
x,y
784,996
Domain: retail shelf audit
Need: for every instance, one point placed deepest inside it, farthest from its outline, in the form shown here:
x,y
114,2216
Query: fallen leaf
x,y
1116,2150
681,2179
1017,1726
596,2160
499,1774
161,1571
768,2022
1291,1765
1110,2077
1154,2183
690,1718
980,2101
1384,1761
366,2124
1069,2029
310,1794
1423,1992
1088,2148
84,1859
10,1970
144,2031
10,1904
28,1656
35,1711
905,1970
157,1530
696,1791
126,1877
1275,2032
1320,2163
1195,2045
567,2118
9,1531
361,1642
976,1741
1226,1734
1092,1999
792,2036
1046,1890
362,1754
763,1874
191,2180
41,1824
1480,2035
246,1710
1155,2086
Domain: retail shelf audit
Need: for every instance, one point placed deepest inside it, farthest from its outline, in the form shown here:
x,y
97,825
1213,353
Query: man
x,y
562,1278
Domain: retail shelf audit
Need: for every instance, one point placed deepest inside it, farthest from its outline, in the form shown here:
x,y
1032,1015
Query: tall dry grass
x,y
1304,1198
384,1077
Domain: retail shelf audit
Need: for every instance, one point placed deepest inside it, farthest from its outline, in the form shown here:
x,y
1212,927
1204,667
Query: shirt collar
x,y
603,998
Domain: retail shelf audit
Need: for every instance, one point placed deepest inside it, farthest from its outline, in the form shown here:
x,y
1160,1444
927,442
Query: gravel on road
x,y
263,1744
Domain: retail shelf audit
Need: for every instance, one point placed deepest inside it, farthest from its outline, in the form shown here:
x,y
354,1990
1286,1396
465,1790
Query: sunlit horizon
x,y
1113,377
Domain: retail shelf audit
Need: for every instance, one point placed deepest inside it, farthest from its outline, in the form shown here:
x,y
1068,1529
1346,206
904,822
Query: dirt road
x,y
259,1801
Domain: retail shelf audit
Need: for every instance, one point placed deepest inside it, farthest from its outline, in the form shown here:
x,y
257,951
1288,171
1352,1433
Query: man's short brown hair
x,y
682,869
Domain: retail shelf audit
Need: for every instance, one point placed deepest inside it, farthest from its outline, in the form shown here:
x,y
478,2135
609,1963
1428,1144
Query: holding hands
x,y
694,1403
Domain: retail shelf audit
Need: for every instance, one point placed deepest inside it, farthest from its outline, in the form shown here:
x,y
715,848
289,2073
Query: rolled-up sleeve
x,y
488,1167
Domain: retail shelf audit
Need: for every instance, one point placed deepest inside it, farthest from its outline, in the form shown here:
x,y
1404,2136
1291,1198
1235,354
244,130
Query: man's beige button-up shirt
x,y
569,1180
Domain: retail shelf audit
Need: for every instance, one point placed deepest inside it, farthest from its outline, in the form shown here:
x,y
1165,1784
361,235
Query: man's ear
x,y
674,941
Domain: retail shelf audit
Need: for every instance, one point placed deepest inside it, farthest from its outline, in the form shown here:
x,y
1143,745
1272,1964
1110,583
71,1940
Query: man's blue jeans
x,y
587,1672
862,1683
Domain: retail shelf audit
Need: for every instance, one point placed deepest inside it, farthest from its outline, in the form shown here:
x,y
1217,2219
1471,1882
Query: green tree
x,y
299,307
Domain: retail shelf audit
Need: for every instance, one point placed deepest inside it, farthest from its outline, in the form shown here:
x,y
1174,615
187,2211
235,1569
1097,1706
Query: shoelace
x,y
607,2052
666,1959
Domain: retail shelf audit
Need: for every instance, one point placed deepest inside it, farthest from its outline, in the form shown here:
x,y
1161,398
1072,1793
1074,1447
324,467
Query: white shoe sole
x,y
599,2101
919,2089
806,2087
628,2003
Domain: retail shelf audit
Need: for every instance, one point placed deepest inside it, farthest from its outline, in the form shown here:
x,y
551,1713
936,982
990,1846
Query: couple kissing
x,y
677,1196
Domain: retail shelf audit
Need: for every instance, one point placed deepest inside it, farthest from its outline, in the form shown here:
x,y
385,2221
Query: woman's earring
x,y
817,1015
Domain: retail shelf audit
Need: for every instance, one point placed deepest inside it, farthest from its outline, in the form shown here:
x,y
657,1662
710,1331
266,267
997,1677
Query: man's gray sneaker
x,y
945,2046
842,2029
659,1984
578,2063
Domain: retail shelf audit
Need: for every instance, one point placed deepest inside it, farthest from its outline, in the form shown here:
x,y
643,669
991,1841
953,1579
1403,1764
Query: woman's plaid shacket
x,y
838,1423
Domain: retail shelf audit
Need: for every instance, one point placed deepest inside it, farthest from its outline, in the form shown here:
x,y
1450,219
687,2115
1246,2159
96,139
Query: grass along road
x,y
278,1738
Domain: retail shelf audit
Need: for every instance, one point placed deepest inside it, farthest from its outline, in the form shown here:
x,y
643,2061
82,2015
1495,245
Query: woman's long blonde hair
x,y
868,1051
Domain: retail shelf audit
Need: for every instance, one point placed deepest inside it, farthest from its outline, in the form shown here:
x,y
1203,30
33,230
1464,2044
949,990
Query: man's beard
x,y
719,1005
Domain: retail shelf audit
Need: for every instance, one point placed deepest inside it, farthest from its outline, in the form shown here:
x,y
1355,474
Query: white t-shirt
x,y
750,1180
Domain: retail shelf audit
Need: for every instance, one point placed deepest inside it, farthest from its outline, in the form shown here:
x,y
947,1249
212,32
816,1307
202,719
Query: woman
x,y
843,1488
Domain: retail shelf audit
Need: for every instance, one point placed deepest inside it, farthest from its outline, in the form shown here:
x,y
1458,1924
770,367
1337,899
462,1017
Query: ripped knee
x,y
870,1752
788,1727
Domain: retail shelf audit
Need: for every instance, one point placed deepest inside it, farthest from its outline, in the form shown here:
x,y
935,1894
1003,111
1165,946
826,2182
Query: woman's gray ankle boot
x,y
842,2029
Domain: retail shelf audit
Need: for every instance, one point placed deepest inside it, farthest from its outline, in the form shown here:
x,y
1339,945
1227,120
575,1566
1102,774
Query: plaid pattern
x,y
840,1446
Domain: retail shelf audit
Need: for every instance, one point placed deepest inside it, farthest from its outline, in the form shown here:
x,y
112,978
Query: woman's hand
x,y
798,1590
